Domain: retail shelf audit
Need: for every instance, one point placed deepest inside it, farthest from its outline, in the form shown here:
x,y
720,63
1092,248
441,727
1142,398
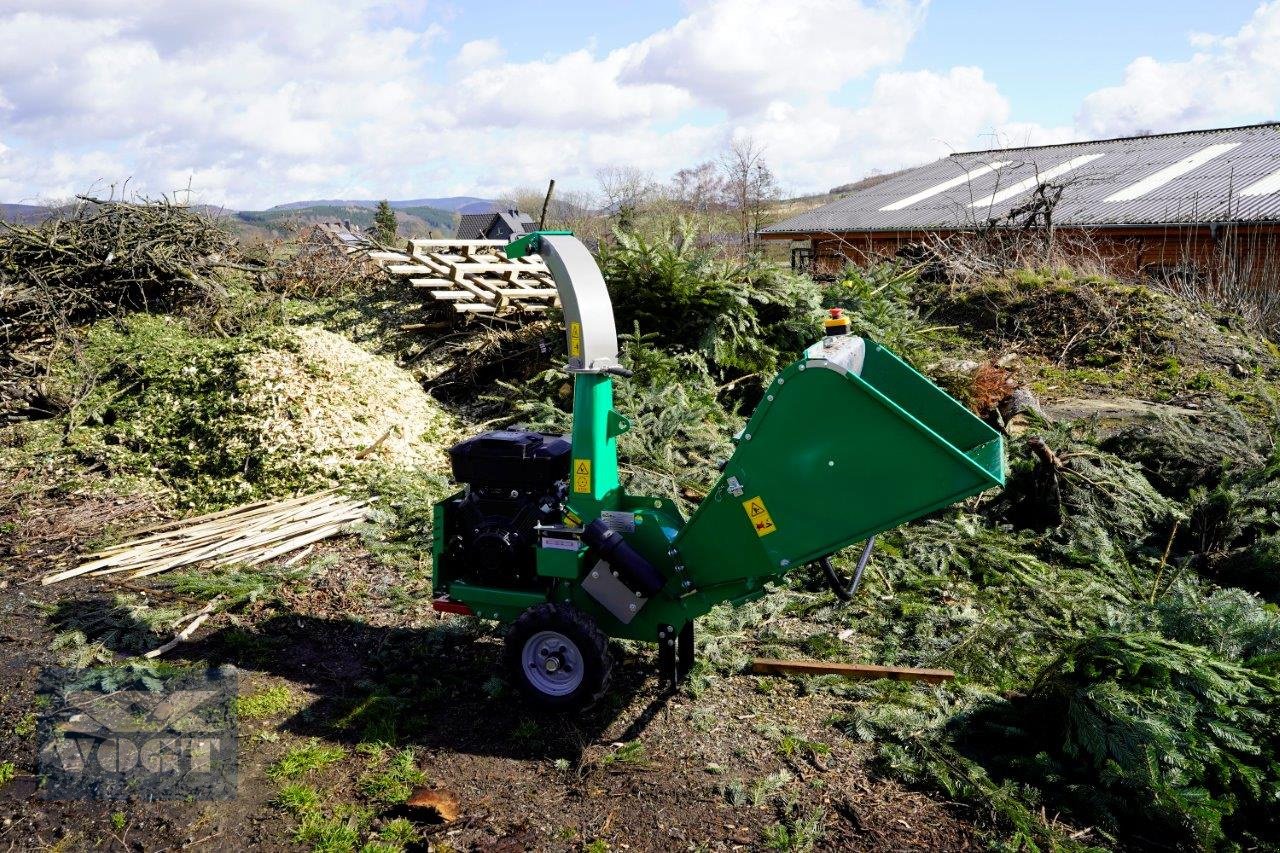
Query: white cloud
x,y
575,90
910,118
1228,80
742,54
258,102
478,52
237,92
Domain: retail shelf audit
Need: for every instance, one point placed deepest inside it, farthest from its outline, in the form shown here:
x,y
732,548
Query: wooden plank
x,y
389,256
486,295
851,670
521,292
448,244
451,294
497,269
406,269
432,282
474,308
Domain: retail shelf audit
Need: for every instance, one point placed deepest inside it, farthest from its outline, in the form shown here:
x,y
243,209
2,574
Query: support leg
x,y
684,651
667,662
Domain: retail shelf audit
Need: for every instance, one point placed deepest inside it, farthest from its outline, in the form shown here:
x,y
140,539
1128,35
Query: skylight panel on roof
x,y
1167,174
1031,183
1268,185
945,185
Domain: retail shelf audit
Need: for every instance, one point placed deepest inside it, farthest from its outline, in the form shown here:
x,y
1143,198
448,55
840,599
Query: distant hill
x,y
23,213
415,220
283,221
452,204
865,184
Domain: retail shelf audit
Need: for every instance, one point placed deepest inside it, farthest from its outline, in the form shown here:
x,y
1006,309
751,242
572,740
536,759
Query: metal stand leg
x,y
684,651
667,663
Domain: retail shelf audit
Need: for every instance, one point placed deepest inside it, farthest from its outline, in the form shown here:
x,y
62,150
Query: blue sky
x,y
257,102
1046,56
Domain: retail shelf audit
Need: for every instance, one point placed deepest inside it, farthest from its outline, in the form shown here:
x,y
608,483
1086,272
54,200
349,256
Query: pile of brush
x,y
96,258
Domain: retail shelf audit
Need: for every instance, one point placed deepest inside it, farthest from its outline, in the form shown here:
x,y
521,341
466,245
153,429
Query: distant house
x,y
1146,205
498,225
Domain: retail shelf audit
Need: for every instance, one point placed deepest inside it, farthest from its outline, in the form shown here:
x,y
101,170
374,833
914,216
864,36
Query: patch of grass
x,y
631,753
394,784
270,702
26,725
793,746
297,799
301,760
326,835
118,821
7,772
400,831
376,717
527,732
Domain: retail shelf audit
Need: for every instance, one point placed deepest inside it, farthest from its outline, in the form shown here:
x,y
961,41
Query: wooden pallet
x,y
475,276
466,277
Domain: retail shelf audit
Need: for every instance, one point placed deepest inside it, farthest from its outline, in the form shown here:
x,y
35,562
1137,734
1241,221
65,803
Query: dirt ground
x,y
356,646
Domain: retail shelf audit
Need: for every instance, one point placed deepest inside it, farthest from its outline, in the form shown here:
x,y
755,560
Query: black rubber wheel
x,y
557,658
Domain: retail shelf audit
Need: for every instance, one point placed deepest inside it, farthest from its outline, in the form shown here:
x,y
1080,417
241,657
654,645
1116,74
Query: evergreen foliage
x,y
740,317
384,223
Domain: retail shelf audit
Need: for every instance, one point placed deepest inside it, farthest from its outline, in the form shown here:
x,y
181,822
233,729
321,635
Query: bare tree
x,y
749,186
573,210
697,189
625,189
525,199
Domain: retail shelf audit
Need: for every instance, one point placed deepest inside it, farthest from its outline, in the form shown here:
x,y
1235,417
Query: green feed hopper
x,y
849,441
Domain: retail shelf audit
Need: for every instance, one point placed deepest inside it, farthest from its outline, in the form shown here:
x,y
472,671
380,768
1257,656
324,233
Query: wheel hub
x,y
553,663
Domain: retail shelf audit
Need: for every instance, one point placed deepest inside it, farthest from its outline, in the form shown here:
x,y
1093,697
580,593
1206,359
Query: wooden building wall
x,y
1248,252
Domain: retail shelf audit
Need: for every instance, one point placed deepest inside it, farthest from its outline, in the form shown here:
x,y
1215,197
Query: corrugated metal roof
x,y
1175,178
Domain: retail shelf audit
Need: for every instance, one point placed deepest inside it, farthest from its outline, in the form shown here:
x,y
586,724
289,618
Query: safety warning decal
x,y
582,476
759,516
575,341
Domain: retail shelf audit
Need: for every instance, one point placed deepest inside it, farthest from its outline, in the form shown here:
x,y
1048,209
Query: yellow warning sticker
x,y
582,476
575,346
759,516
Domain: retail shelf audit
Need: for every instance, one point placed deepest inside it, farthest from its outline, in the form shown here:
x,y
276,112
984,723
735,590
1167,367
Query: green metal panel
x,y
493,603
831,457
593,475
529,243
557,563
437,537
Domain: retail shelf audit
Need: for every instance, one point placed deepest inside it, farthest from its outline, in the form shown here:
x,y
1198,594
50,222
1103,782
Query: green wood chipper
x,y
848,441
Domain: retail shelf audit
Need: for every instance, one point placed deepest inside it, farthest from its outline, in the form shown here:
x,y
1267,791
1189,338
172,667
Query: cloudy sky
x,y
258,102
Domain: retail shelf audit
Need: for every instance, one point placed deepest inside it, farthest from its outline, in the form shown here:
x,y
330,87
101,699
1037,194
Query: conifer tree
x,y
384,223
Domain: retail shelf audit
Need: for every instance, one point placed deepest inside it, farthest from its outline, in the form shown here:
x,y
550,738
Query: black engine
x,y
515,480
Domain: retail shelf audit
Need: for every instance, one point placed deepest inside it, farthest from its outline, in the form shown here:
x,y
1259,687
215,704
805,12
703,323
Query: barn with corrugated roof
x,y
1146,204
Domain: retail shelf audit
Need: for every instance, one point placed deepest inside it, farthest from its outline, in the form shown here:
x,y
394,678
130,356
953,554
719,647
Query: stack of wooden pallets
x,y
463,277
473,276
